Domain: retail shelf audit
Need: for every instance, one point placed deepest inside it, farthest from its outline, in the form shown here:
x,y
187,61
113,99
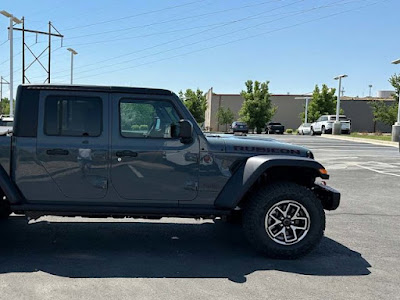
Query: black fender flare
x,y
248,173
8,187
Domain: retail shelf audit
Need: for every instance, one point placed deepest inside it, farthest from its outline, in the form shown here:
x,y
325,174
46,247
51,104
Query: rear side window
x,y
73,116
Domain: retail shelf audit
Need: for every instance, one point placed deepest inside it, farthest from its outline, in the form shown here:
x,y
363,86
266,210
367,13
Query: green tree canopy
x,y
225,117
323,102
5,106
383,112
196,102
257,109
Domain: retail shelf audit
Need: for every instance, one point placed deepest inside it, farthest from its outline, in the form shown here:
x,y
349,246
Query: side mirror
x,y
185,131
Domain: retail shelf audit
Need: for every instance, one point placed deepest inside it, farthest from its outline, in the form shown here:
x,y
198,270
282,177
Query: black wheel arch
x,y
262,170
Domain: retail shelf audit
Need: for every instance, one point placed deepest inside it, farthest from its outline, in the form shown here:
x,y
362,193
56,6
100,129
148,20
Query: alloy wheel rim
x,y
287,222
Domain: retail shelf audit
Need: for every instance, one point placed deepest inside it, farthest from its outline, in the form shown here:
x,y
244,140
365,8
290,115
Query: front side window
x,y
73,116
147,119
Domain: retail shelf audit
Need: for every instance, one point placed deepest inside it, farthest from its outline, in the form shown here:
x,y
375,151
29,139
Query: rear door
x,y
72,144
147,163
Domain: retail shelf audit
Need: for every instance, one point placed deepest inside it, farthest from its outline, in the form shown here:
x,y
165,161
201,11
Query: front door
x,y
72,145
148,164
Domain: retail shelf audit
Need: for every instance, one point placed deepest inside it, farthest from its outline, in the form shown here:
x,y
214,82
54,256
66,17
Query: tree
x,y
225,116
196,102
323,102
5,106
387,114
257,109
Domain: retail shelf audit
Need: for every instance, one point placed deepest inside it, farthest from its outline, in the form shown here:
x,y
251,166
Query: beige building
x,y
289,110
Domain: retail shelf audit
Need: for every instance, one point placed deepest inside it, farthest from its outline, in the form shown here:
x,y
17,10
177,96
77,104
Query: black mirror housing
x,y
185,131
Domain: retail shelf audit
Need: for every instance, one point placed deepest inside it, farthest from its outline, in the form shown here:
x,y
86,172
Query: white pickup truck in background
x,y
325,124
6,124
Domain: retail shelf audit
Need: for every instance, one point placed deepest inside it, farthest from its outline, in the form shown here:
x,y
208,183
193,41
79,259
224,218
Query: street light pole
x,y
396,126
337,126
306,110
17,21
73,52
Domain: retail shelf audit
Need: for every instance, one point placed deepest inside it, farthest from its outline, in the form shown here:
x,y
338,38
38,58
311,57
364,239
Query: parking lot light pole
x,y
12,21
337,126
73,52
396,126
306,110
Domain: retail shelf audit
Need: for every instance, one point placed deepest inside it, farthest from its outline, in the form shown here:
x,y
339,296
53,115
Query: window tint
x,y
340,118
149,119
73,116
6,123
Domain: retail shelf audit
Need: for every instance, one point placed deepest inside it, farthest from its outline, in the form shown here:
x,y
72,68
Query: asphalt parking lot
x,y
65,258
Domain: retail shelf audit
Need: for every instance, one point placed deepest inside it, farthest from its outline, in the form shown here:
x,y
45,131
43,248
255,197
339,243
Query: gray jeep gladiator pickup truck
x,y
134,152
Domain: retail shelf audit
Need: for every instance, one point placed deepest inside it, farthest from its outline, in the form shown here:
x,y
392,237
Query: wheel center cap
x,y
286,222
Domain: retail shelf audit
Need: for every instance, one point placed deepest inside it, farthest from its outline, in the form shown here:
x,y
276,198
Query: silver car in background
x,y
304,129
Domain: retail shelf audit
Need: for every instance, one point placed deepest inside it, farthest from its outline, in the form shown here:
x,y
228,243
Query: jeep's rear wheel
x,y
284,220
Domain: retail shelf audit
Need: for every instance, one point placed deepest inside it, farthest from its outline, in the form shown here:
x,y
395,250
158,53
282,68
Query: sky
x,y
181,44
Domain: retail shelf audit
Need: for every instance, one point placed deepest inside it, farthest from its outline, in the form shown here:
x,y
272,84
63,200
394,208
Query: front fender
x,y
248,173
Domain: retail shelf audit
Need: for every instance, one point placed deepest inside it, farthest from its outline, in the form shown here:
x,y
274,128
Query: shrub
x,y
143,127
378,133
289,131
135,127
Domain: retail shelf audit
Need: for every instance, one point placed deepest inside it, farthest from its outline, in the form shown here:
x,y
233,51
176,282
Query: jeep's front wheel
x,y
284,220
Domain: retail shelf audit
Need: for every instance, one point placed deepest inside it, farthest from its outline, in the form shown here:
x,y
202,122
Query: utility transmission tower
x,y
2,81
37,57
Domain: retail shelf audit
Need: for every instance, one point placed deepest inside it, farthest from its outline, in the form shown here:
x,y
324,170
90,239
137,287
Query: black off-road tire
x,y
255,212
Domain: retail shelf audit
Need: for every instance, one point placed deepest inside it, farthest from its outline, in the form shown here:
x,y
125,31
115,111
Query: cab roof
x,y
97,88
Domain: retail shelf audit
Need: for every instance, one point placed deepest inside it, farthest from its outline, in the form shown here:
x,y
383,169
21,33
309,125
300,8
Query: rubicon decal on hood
x,y
267,150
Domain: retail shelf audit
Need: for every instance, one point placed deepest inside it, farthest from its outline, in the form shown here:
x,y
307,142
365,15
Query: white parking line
x,y
376,171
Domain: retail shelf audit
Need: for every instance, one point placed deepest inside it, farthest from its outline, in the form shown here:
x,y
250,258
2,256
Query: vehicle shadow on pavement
x,y
155,250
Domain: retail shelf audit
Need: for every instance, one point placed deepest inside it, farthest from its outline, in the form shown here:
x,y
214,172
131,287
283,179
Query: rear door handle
x,y
126,153
57,152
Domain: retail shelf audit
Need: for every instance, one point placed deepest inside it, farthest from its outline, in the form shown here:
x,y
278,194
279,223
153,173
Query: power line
x,y
208,39
253,16
173,20
133,16
241,39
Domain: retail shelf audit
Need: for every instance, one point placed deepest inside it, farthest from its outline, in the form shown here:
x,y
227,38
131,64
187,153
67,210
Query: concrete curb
x,y
361,140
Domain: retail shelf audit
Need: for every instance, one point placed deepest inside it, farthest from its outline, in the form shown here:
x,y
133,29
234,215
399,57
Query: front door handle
x,y
126,153
57,152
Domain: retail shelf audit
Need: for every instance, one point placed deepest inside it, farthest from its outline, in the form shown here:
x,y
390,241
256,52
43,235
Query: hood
x,y
254,145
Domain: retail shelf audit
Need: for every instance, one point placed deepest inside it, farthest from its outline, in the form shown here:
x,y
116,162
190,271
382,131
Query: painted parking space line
x,y
376,170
